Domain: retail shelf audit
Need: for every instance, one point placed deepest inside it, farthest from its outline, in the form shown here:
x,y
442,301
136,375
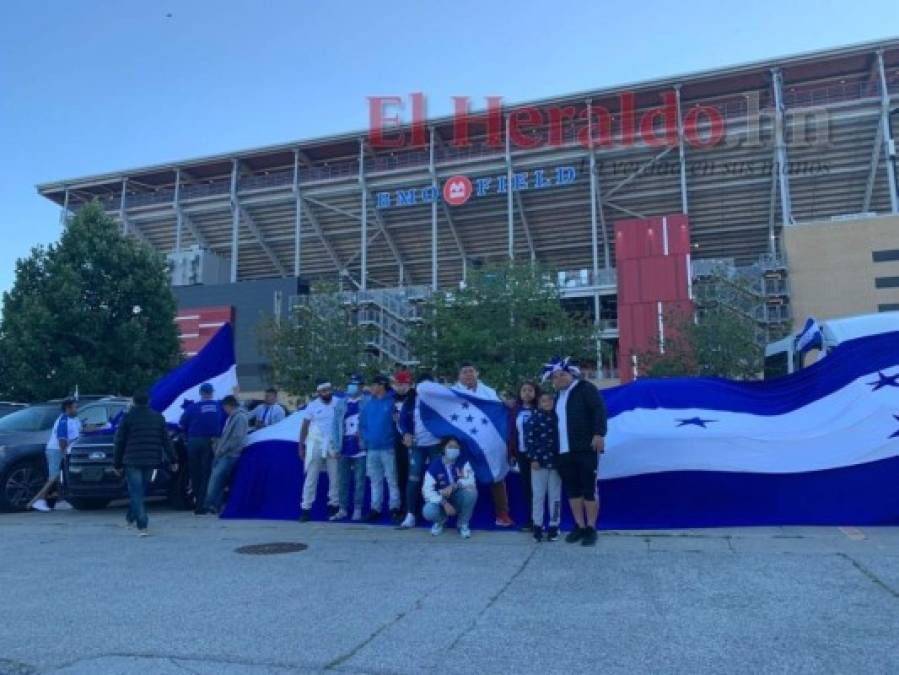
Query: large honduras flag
x,y
820,446
480,425
215,363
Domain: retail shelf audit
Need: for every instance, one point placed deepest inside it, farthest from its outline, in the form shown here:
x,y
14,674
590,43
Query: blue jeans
x,y
352,471
462,500
381,464
221,473
199,462
419,459
138,479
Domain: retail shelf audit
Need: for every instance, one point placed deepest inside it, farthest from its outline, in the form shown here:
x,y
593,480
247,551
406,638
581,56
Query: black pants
x,y
527,491
578,472
402,472
199,460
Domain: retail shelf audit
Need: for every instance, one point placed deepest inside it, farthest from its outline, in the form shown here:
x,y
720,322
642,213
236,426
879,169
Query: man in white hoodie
x,y
449,489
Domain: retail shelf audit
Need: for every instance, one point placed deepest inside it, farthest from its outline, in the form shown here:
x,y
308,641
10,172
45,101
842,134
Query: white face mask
x,y
352,389
452,453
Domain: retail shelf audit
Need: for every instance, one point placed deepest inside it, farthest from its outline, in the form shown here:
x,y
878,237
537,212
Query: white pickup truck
x,y
783,357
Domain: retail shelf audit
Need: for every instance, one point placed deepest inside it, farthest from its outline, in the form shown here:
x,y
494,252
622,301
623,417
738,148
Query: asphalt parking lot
x,y
82,594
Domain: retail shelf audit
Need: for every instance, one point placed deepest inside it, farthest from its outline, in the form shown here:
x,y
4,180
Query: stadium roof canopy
x,y
305,207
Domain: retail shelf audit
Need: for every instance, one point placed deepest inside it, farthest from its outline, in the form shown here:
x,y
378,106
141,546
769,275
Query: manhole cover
x,y
272,549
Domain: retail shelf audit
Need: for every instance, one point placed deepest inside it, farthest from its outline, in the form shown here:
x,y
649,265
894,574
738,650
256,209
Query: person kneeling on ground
x,y
227,451
449,490
542,449
141,444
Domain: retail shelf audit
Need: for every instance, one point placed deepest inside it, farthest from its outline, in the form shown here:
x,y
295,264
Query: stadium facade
x,y
743,152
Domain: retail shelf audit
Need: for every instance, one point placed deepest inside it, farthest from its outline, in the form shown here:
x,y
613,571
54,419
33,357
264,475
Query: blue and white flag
x,y
215,363
811,336
818,446
480,425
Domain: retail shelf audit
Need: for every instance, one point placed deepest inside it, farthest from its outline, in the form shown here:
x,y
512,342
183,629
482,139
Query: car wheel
x,y
88,504
20,484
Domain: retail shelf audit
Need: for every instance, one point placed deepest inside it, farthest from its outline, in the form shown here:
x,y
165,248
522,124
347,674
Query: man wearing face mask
x,y
401,382
449,490
345,442
316,449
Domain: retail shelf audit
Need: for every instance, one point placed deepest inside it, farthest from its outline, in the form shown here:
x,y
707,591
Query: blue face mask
x,y
452,454
352,389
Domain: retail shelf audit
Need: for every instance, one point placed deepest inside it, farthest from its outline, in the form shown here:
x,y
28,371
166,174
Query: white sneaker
x,y
143,533
340,515
357,515
63,505
465,532
408,523
41,505
437,529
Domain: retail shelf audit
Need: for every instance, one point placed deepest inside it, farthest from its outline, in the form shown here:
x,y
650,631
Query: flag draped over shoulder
x,y
215,363
480,425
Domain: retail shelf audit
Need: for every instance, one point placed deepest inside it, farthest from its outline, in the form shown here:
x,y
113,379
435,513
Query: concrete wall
x,y
253,302
843,268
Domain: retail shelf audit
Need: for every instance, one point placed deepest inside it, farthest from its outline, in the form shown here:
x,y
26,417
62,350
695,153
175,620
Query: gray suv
x,y
24,435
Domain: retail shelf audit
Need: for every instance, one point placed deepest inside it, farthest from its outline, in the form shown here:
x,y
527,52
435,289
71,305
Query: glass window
x,y
34,418
94,416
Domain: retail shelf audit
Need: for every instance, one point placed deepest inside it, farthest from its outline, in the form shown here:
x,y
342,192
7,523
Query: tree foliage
x,y
719,343
507,320
94,310
322,339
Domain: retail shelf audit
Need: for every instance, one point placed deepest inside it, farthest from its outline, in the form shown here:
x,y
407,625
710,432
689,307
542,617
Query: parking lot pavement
x,y
82,594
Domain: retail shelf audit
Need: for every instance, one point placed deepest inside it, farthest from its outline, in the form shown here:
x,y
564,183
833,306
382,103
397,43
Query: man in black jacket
x,y
141,444
581,415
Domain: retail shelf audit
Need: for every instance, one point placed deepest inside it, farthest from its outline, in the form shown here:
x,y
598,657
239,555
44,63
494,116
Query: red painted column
x,y
653,262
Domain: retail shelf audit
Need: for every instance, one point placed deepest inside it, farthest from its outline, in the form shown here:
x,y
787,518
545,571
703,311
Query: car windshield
x,y
35,418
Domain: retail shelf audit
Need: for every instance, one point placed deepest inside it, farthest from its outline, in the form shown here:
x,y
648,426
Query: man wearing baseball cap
x,y
316,449
345,441
402,392
377,430
202,423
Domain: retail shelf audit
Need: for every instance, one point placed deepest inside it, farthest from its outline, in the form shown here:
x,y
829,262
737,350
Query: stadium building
x,y
774,181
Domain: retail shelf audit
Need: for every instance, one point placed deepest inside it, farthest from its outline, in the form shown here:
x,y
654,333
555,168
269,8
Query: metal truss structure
x,y
805,138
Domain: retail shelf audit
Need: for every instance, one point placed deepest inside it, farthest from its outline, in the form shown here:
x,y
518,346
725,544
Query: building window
x,y
885,256
889,307
886,282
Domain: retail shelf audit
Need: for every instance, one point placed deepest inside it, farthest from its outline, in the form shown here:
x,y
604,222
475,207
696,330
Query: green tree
x,y
508,320
94,310
719,343
322,338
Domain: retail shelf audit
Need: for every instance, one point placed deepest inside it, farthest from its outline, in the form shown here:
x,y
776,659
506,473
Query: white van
x,y
782,357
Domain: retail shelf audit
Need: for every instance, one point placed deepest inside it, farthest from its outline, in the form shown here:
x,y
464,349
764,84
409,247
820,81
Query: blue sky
x,y
90,86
